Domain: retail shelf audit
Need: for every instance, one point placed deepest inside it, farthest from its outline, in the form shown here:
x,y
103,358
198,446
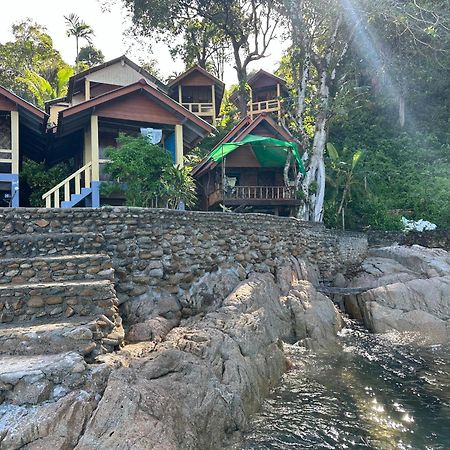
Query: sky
x,y
109,28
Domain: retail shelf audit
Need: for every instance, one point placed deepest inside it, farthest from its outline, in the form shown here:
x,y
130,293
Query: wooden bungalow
x,y
244,171
85,129
22,135
198,91
267,92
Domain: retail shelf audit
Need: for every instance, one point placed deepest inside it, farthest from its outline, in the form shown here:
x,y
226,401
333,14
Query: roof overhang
x,y
78,116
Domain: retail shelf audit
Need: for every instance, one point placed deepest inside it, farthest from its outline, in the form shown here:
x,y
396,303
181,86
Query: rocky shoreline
x,y
196,386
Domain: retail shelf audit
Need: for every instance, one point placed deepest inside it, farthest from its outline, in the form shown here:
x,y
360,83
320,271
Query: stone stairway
x,y
58,312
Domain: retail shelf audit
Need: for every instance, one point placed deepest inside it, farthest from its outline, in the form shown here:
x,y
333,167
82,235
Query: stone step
x,y
35,379
43,269
49,243
31,301
88,336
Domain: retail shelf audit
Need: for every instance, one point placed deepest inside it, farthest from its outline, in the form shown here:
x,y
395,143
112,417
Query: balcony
x,y
255,195
255,108
200,109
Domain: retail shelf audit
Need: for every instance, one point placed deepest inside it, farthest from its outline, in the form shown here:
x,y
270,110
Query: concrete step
x,y
31,301
88,336
49,244
76,198
55,268
35,379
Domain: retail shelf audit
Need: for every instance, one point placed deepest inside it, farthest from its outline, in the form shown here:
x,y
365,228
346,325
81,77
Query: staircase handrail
x,y
67,180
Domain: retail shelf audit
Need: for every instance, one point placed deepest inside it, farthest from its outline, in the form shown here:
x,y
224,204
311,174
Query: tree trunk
x,y
241,72
313,204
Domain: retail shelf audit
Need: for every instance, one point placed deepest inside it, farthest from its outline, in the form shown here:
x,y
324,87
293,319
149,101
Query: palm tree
x,y
79,29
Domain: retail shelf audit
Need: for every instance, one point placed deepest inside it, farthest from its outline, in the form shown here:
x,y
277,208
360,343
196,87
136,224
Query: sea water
x,y
373,392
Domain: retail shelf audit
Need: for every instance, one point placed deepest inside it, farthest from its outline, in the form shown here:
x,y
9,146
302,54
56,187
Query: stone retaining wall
x,y
165,249
55,268
37,301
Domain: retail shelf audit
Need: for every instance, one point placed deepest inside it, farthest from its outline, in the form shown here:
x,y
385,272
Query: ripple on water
x,y
377,392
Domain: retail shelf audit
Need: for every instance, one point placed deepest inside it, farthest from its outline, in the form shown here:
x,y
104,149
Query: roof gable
x,y
196,73
119,71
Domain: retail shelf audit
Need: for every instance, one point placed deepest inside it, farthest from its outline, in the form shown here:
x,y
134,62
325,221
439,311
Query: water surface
x,y
375,392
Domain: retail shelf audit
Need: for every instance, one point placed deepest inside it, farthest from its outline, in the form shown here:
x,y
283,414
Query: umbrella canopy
x,y
269,152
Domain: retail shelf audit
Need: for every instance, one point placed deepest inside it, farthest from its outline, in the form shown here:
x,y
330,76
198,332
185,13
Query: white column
x,y
94,149
15,142
179,145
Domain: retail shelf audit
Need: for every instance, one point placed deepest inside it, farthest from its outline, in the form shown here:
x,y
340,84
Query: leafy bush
x,y
145,173
41,178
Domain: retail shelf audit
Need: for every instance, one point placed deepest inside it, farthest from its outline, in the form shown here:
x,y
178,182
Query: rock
x,y
316,319
42,223
31,393
410,292
55,425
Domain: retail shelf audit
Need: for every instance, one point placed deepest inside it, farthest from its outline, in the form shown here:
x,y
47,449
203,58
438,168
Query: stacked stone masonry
x,y
165,249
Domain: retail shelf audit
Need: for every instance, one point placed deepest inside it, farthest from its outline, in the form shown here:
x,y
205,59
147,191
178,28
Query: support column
x,y
179,145
180,94
15,148
87,90
278,99
95,180
213,93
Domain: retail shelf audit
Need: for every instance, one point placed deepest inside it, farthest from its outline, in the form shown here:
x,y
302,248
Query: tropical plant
x,y
80,30
40,178
41,88
30,50
144,172
341,177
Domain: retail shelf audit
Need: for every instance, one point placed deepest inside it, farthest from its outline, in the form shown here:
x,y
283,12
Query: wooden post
x,y
87,153
15,142
87,90
251,103
213,93
94,149
179,145
278,100
180,94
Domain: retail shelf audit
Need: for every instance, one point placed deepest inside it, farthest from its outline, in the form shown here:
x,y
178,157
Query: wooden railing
x,y
202,109
5,156
260,193
71,185
264,106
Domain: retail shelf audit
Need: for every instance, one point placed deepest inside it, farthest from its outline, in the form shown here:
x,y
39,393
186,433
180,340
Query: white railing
x,y
202,109
5,156
264,106
71,185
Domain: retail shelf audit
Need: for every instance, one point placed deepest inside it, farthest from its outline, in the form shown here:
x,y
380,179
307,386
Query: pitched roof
x,y
197,68
123,58
263,73
19,101
198,126
243,128
32,116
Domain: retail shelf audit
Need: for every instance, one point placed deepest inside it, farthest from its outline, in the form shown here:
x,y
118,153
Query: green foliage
x,y
41,89
90,56
31,51
402,173
41,178
145,173
79,30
